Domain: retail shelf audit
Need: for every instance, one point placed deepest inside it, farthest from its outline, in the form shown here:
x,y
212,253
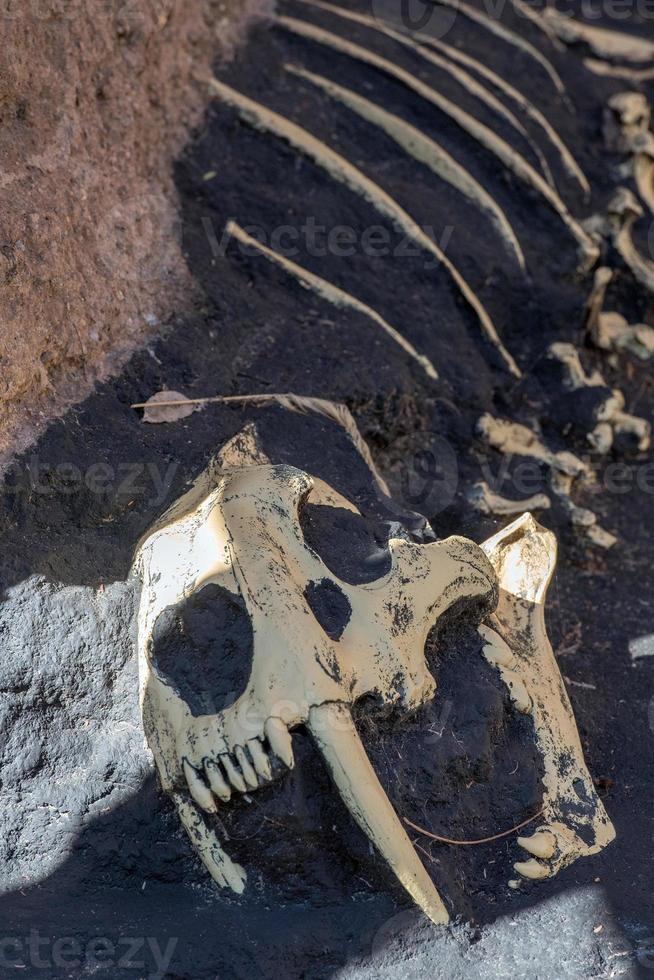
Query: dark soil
x,y
73,510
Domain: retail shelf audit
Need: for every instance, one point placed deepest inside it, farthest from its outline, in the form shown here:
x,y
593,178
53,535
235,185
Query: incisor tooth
x,y
198,788
234,776
249,775
217,780
280,741
542,844
532,869
259,758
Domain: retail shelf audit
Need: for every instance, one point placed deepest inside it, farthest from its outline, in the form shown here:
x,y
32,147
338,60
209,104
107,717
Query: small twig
x,y
202,401
484,840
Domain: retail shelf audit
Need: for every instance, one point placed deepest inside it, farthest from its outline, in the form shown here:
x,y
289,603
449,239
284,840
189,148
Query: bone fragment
x,y
635,75
342,170
217,781
338,741
426,151
616,226
487,501
611,45
447,64
613,333
333,294
570,165
511,159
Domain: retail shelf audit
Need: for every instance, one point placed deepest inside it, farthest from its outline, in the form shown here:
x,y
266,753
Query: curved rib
x,y
569,163
342,170
464,79
482,133
423,149
330,292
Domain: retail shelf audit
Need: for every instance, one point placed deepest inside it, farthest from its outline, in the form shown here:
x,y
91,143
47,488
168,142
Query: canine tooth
x,y
280,741
234,776
249,775
338,741
532,869
542,844
217,780
198,788
260,759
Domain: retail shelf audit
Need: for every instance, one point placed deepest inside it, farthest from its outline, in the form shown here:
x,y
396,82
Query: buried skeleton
x,y
318,644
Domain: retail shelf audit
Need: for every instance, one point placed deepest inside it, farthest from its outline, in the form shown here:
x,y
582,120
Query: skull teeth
x,y
280,741
249,775
198,788
260,759
542,844
234,775
217,781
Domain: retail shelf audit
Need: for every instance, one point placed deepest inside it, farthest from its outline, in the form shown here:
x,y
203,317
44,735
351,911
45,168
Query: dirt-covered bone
x,y
574,821
246,537
627,119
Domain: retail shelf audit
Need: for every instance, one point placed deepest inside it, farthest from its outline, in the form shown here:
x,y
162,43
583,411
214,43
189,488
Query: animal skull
x,y
240,530
245,536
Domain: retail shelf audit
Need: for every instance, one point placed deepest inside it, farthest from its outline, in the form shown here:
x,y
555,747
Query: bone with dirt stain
x,y
575,823
607,44
451,66
487,501
513,439
245,535
333,294
609,330
627,118
615,226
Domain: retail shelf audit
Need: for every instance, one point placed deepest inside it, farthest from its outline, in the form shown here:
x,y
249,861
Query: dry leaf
x,y
155,412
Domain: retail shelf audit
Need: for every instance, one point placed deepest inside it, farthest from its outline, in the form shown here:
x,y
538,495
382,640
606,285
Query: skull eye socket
x,y
330,606
354,548
202,647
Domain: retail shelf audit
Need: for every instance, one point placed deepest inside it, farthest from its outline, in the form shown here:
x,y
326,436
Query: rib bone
x,y
342,170
511,159
338,741
423,149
